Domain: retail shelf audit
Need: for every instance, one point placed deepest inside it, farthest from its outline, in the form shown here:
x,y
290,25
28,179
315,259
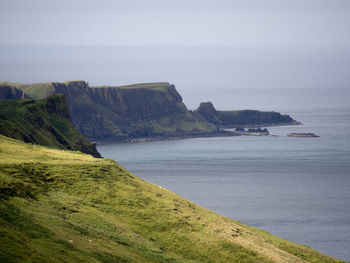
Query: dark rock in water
x,y
257,132
252,131
303,135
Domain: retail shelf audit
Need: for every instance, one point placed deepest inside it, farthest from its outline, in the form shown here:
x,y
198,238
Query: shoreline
x,y
219,133
222,132
262,125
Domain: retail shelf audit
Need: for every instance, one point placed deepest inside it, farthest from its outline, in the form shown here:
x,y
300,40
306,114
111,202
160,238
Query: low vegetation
x,y
63,206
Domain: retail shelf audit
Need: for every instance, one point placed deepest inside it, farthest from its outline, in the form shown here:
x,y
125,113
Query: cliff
x,y
45,122
62,206
11,93
144,111
126,113
242,118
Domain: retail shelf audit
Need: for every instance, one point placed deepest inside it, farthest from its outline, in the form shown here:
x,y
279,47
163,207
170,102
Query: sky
x,y
180,22
265,54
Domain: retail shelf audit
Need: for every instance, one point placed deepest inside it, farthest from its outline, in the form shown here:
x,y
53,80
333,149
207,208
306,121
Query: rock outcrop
x,y
242,118
252,131
303,135
208,112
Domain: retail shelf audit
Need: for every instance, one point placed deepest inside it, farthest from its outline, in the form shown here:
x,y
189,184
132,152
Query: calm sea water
x,y
296,188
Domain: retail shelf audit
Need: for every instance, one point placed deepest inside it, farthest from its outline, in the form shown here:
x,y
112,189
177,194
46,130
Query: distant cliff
x,y
45,122
242,118
150,110
143,111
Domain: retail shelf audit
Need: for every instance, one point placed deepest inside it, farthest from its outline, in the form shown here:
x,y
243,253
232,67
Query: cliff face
x,y
208,112
11,93
125,113
253,117
229,119
45,122
147,110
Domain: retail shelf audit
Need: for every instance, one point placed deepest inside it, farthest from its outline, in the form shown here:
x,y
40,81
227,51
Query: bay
x,y
295,188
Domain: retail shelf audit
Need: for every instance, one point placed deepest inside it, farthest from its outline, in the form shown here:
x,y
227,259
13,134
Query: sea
x,y
295,188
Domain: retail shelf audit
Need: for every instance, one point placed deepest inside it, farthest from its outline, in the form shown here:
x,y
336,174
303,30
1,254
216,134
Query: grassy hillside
x,y
44,122
61,206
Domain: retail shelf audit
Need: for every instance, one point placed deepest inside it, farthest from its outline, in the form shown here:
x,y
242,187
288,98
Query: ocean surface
x,y
295,188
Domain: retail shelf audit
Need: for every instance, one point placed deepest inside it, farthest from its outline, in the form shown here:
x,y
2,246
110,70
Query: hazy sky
x,y
179,22
263,54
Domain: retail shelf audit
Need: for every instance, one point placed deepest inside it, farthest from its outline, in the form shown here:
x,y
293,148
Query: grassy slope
x,y
59,206
44,122
37,91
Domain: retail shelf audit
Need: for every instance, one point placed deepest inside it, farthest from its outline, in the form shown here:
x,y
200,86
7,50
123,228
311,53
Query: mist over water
x,y
266,78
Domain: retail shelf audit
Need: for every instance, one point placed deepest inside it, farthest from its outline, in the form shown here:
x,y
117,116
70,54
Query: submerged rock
x,y
252,131
303,135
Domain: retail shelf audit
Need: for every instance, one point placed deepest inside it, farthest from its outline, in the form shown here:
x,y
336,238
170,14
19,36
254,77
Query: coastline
x,y
262,125
222,132
218,133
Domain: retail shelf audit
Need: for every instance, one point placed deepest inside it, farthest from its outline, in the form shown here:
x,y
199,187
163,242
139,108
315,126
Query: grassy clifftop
x,y
152,85
61,206
45,122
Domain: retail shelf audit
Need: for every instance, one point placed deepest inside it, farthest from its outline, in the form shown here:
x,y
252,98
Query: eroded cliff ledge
x,y
242,118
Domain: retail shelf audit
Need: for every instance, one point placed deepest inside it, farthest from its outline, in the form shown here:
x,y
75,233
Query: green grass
x,y
38,91
62,206
153,85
